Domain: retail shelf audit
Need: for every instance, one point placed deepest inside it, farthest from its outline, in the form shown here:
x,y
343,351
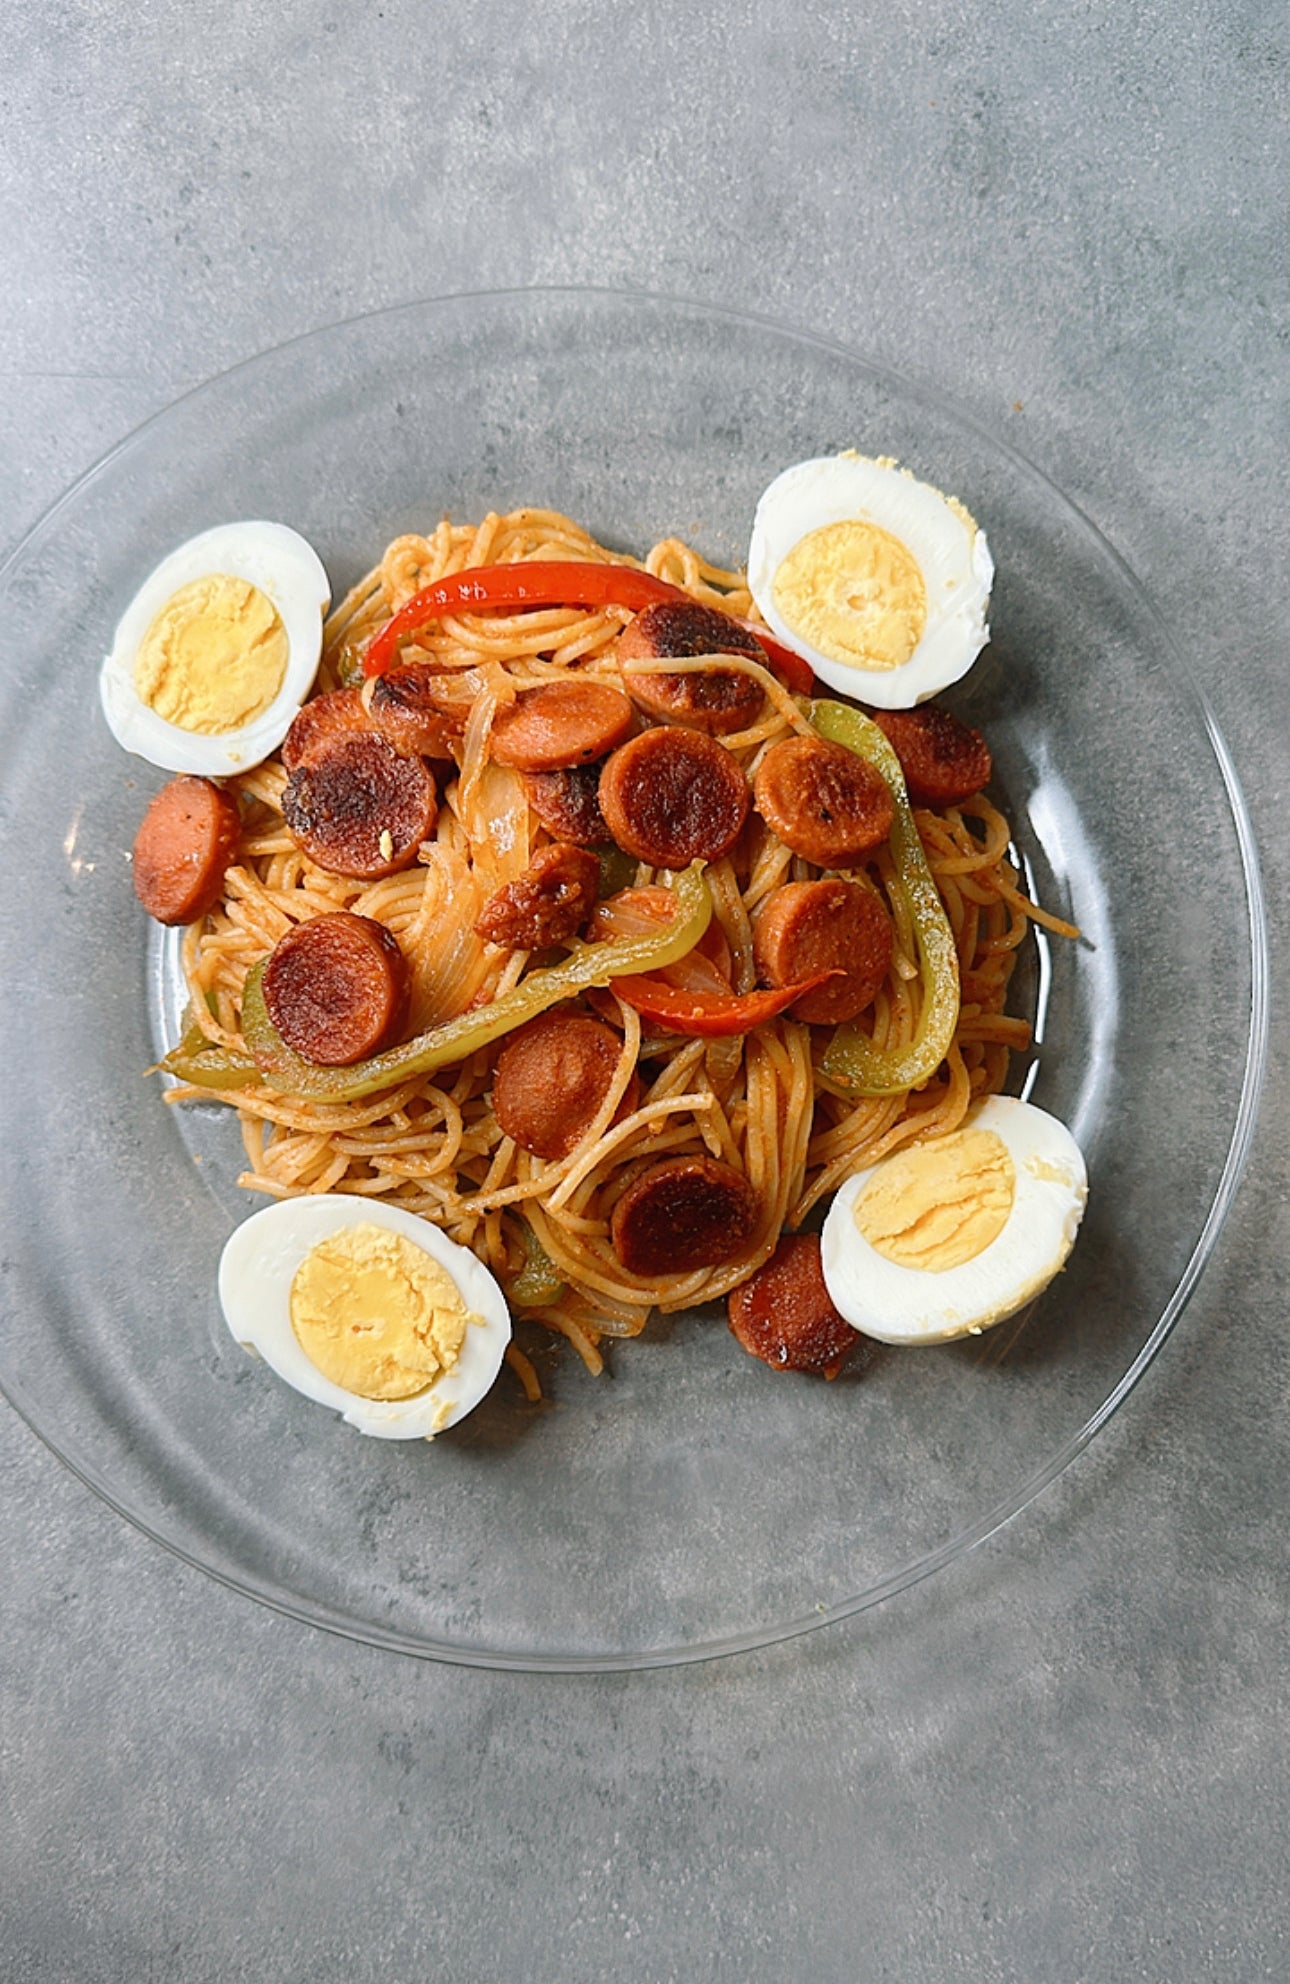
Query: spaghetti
x,y
758,1102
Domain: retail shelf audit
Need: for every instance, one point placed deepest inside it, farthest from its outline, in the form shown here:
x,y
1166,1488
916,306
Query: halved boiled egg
x,y
368,1309
944,1238
879,580
217,650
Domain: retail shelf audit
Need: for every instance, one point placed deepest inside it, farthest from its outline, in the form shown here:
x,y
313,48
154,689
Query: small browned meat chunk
x,y
831,925
715,700
185,844
568,803
674,796
546,904
683,1213
784,1314
823,801
550,1079
359,808
322,723
944,760
406,707
560,724
337,989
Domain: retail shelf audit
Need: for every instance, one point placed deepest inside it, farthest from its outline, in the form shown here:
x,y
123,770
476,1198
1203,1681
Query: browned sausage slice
x,y
543,906
321,723
831,925
717,700
568,802
944,760
674,796
183,849
683,1213
337,988
559,724
823,801
784,1314
406,706
358,808
550,1079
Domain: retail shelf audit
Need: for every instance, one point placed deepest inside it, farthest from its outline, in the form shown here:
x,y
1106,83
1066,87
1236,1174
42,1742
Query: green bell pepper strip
x,y
539,1282
453,1041
851,1058
203,1064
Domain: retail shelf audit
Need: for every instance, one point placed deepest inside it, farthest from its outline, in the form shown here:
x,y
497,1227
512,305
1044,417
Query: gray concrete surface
x,y
1065,1758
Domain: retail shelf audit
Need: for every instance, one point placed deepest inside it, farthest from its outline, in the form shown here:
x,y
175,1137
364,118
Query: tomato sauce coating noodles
x,y
756,1102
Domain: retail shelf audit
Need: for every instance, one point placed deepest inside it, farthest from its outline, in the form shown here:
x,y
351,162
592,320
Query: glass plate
x,y
691,1502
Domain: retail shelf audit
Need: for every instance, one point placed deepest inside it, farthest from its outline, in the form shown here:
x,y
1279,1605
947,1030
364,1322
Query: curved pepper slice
x,y
550,582
539,1282
851,1058
454,1040
198,1060
708,1015
538,582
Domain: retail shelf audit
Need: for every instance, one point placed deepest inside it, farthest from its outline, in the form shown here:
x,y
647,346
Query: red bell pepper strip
x,y
539,582
707,1015
549,582
796,674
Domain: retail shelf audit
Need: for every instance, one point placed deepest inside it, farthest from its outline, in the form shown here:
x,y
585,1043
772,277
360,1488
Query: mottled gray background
x,y
1064,1759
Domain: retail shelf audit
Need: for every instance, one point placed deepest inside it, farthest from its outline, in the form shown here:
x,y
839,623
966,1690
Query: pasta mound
x,y
757,1102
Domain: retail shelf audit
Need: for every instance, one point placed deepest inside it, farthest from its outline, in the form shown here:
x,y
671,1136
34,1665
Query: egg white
x,y
955,560
903,1305
256,1270
290,573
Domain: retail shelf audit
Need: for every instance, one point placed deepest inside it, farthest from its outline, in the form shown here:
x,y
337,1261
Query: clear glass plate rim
x,y
1022,1494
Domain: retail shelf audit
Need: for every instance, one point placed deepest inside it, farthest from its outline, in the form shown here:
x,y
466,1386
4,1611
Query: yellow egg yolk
x,y
214,657
940,1204
376,1314
855,592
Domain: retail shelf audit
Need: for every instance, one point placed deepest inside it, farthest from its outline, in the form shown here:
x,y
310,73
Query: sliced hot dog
x,y
406,706
715,700
182,851
322,723
674,796
683,1213
546,904
550,1079
559,724
944,760
359,808
337,988
823,801
568,802
784,1314
830,925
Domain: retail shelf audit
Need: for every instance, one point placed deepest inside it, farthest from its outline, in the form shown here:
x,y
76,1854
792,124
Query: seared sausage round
x,y
568,802
944,760
337,988
823,801
322,723
683,1213
550,1079
406,706
561,723
359,808
546,904
716,700
830,925
185,844
784,1314
674,796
